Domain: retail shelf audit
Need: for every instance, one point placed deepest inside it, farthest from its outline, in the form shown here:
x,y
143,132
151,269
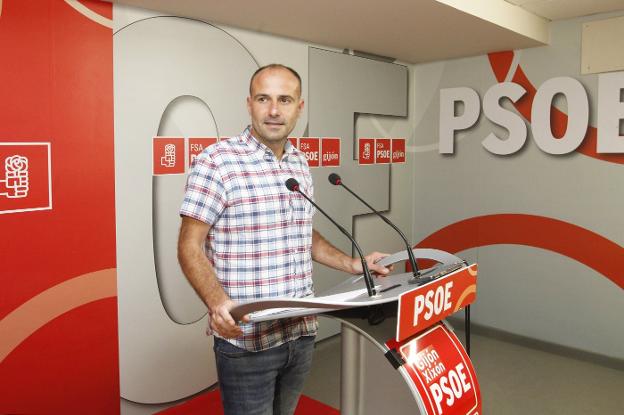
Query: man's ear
x,y
249,105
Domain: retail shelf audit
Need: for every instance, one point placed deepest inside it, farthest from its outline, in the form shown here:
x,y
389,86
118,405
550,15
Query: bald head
x,y
274,104
275,67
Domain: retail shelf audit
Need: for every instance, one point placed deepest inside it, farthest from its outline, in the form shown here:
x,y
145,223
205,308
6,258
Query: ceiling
x,y
567,9
411,31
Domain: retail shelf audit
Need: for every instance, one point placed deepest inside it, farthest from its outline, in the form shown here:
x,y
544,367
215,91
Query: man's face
x,y
274,105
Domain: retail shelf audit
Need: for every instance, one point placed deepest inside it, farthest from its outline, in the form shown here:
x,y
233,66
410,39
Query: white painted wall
x,y
524,290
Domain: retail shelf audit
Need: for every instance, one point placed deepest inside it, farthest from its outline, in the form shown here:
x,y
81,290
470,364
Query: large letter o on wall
x,y
156,61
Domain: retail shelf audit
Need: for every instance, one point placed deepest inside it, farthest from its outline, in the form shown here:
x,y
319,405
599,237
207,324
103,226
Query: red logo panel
x,y
330,152
197,145
25,177
430,303
442,373
168,155
398,150
382,150
310,147
366,151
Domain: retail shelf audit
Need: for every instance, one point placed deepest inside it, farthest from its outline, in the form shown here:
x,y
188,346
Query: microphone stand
x,y
293,186
336,180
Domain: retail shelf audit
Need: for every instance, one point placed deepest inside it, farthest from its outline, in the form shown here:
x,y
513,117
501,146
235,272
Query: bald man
x,y
244,236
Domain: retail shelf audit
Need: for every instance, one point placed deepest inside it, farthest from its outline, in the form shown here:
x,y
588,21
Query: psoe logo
x,y
169,159
168,154
610,115
15,177
25,177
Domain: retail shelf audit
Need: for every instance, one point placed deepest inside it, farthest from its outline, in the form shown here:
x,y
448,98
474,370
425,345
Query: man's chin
x,y
273,135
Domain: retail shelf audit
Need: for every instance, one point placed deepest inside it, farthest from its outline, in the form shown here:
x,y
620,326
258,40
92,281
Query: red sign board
x,y
383,150
366,151
398,150
25,177
197,145
430,303
311,148
441,372
294,141
330,152
168,155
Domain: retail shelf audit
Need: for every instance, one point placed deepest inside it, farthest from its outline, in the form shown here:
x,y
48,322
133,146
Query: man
x,y
259,243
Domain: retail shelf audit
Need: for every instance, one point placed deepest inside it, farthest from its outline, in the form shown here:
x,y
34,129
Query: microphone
x,y
293,185
337,181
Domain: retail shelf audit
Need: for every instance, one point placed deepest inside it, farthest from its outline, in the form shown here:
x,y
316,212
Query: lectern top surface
x,y
348,294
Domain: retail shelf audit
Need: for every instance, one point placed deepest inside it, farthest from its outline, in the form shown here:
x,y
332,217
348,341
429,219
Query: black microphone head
x,y
292,184
334,179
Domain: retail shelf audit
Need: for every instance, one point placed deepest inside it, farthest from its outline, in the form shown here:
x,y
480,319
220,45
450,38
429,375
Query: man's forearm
x,y
201,275
327,254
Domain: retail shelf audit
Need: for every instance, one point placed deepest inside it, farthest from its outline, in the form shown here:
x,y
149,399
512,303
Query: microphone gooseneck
x,y
336,180
293,185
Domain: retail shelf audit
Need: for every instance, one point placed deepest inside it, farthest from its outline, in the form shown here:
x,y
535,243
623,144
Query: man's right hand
x,y
222,322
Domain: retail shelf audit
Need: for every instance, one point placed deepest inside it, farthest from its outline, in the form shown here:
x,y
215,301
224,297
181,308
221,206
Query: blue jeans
x,y
266,382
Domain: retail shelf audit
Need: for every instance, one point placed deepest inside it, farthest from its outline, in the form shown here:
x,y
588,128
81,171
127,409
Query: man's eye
x,y
285,100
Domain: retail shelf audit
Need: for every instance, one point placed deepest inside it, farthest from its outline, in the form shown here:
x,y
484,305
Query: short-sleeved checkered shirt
x,y
261,233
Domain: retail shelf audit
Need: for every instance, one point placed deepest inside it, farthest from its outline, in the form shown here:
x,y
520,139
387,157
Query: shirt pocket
x,y
301,207
305,209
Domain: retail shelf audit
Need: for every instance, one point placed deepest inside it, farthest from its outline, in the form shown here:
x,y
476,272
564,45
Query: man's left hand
x,y
372,260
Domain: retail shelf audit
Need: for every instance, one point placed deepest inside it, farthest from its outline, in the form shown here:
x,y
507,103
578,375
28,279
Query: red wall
x,y
58,307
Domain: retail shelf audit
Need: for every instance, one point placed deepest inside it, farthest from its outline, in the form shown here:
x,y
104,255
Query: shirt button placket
x,y
293,261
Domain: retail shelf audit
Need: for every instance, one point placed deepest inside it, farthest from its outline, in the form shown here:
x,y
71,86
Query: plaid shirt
x,y
260,239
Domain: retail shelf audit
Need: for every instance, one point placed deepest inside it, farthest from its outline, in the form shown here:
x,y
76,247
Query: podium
x,y
398,353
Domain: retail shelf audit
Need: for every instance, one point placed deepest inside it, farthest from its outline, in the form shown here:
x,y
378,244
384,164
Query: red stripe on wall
x,y
597,252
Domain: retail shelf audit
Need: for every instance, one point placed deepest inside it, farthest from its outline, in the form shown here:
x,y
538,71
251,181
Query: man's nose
x,y
274,110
